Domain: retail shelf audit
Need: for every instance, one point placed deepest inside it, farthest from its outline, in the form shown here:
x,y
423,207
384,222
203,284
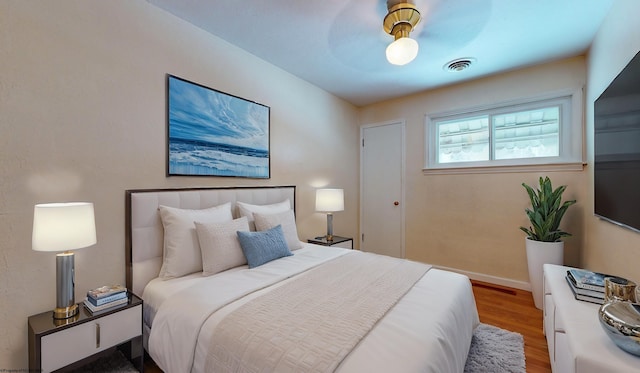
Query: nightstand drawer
x,y
76,343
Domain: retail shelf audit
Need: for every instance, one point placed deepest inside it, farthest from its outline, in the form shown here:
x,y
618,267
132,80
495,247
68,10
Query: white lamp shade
x,y
63,226
402,51
329,200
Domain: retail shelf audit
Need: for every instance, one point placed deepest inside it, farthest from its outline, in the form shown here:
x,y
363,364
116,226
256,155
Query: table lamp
x,y
64,227
329,201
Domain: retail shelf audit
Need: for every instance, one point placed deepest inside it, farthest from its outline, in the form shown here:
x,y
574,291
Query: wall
x,y
82,117
470,221
609,248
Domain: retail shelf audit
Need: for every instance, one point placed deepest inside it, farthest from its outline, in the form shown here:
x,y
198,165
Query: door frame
x,y
403,176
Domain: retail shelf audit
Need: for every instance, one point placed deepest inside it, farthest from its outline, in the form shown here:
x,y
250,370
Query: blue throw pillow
x,y
264,246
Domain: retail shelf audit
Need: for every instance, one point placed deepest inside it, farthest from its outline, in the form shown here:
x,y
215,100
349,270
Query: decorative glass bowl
x,y
621,322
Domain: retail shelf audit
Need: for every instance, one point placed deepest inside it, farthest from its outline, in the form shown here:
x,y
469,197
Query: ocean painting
x,y
212,133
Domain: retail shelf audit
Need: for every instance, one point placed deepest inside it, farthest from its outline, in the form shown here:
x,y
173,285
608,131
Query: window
x,y
544,132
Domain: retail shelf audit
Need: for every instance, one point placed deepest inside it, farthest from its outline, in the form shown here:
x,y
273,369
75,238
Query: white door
x,y
382,189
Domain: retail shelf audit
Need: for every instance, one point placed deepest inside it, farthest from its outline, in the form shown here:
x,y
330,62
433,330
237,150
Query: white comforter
x,y
429,330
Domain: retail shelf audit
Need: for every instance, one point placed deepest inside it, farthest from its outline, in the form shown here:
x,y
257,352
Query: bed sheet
x,y
429,330
158,290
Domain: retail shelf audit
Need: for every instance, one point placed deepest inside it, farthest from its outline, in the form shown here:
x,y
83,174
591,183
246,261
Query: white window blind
x,y
527,134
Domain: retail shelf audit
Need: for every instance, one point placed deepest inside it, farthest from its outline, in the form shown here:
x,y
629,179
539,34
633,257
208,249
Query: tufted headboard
x,y
143,228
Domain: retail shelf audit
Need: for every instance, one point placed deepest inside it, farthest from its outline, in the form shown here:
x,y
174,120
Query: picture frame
x,y
213,133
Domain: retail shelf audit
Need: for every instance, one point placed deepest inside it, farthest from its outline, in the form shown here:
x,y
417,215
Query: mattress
x,y
428,330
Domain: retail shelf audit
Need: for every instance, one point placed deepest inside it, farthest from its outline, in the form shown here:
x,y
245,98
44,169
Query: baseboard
x,y
490,279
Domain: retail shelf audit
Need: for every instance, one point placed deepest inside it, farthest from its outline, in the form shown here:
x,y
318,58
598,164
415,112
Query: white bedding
x,y
429,330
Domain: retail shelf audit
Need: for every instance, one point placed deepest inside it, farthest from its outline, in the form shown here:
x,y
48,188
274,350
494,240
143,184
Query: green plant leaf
x,y
546,212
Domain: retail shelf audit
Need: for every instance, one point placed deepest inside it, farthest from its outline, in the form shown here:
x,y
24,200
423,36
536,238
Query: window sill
x,y
575,166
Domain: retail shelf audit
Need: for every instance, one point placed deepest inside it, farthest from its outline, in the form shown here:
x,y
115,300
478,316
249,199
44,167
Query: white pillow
x,y
220,246
288,222
248,210
181,254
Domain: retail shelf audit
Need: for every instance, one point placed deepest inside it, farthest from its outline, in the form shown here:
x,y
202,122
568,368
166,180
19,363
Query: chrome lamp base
x,y
329,235
66,306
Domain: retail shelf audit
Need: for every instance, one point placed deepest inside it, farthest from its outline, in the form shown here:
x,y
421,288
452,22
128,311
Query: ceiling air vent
x,y
458,65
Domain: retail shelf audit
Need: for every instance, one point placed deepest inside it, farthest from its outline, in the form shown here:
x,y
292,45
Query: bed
x,y
230,317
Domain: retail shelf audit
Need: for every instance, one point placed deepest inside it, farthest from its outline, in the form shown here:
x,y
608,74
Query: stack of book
x,y
586,285
105,297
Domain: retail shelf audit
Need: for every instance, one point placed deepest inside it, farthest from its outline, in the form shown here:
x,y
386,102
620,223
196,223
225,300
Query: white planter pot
x,y
539,253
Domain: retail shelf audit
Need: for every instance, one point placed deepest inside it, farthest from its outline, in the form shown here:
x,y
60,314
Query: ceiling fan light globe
x,y
402,51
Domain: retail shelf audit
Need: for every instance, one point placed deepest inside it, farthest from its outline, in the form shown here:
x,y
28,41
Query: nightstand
x,y
54,344
344,242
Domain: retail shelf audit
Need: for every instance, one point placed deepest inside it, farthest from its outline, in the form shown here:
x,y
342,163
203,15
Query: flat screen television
x,y
617,149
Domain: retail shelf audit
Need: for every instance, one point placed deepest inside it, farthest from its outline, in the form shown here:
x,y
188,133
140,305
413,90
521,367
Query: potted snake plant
x,y
544,237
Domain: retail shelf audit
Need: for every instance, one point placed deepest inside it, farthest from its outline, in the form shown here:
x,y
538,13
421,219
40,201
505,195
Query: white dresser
x,y
577,343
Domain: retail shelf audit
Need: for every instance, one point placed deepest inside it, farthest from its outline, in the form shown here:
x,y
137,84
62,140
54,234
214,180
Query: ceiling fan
x,y
400,20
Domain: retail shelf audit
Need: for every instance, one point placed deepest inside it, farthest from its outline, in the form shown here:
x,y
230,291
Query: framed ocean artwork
x,y
212,133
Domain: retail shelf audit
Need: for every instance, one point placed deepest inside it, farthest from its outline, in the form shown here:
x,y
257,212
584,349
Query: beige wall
x,y
82,117
609,248
470,222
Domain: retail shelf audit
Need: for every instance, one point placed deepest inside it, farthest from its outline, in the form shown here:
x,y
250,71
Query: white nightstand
x,y
344,242
54,344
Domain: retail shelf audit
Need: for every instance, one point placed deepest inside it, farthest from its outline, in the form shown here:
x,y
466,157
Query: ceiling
x,y
339,45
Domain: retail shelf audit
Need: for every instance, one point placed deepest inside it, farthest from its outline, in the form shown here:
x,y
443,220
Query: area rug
x,y
495,350
112,363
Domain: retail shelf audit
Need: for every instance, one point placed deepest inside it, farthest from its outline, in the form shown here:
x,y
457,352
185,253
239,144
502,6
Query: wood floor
x,y
513,309
507,308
